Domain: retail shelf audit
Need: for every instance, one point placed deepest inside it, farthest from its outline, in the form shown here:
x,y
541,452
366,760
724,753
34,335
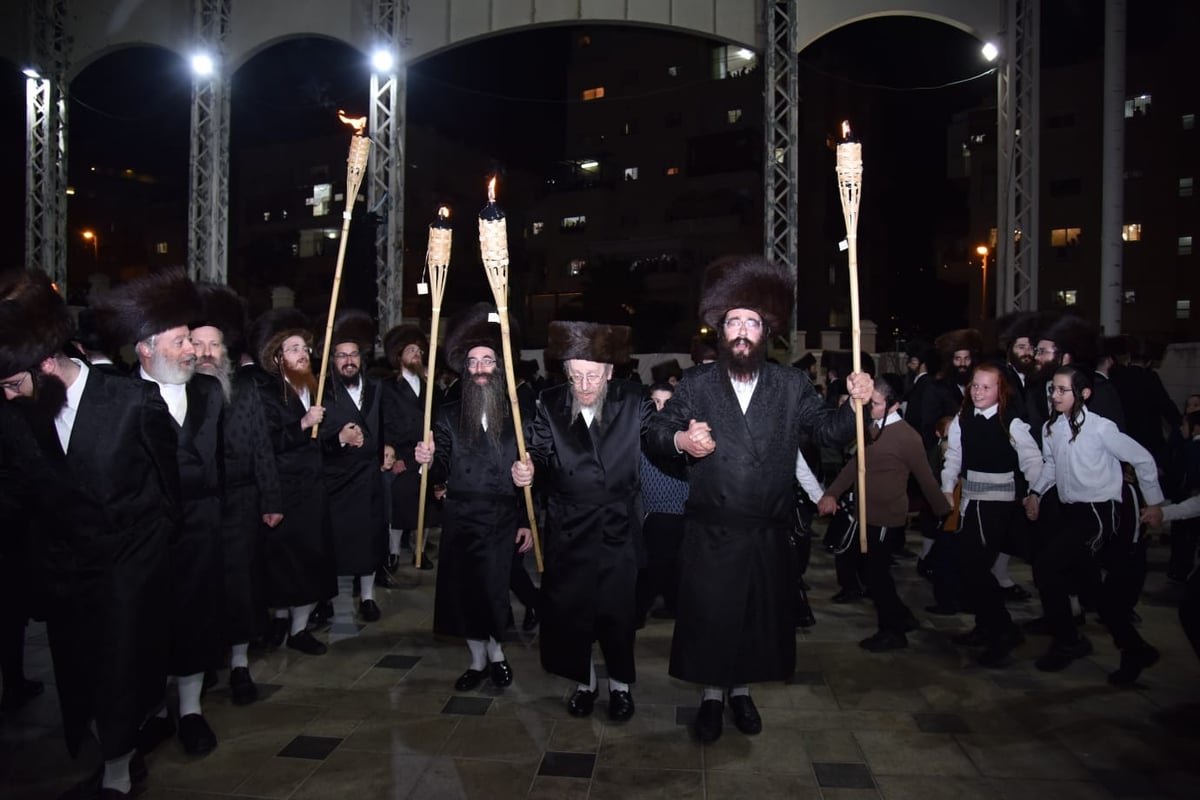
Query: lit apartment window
x,y
1185,245
595,93
584,41
673,72
576,266
573,224
1130,297
161,248
734,115
631,173
1183,309
266,216
1065,237
1066,297
1185,187
1132,232
1189,121
1137,106
672,171
629,128
537,227
978,138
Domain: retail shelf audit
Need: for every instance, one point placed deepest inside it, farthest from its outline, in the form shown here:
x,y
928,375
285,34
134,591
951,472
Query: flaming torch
x,y
493,247
849,179
356,166
437,264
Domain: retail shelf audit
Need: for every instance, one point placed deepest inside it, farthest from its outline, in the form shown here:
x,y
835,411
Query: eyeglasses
x,y
486,361
15,386
586,380
346,356
1061,390
748,324
297,349
1045,351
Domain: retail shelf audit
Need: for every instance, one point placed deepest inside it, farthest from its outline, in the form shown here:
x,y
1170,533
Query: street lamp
x,y
983,251
91,236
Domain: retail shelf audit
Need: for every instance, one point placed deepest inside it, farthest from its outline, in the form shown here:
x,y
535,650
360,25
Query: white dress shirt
x,y
64,421
808,481
173,394
1029,458
1088,469
744,391
356,393
413,381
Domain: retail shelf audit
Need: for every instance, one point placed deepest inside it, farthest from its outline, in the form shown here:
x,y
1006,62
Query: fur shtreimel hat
x,y
961,339
271,329
1075,336
400,337
704,348
750,282
221,308
477,326
1017,325
589,341
147,306
34,321
355,325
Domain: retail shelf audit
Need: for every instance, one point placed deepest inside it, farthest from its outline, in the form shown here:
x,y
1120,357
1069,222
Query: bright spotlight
x,y
745,54
382,61
31,72
202,64
990,51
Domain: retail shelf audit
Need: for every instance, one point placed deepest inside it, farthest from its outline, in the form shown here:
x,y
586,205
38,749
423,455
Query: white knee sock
x,y
116,773
478,648
739,691
494,651
239,655
300,617
713,693
394,535
366,586
615,685
591,687
926,546
190,687
1000,571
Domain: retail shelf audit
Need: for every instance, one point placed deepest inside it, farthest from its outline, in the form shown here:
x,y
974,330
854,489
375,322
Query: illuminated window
x,y
673,72
1066,297
1130,297
1189,121
631,173
584,41
594,93
1137,106
266,216
1185,245
161,248
977,138
1132,232
322,193
1065,237
573,224
734,115
590,165
1183,309
672,170
1185,187
537,228
576,266
629,128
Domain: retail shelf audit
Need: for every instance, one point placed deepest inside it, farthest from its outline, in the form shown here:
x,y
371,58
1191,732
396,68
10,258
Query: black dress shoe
x,y
1000,647
924,569
881,642
620,706
581,703
847,596
530,620
1061,654
383,580
805,618
1133,661
392,563
745,714
910,623
195,735
20,693
321,614
154,732
470,680
502,674
976,637
241,686
91,788
369,611
709,720
305,642
277,631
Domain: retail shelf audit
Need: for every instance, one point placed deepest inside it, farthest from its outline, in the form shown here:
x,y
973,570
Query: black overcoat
x,y
482,512
593,537
736,595
105,543
353,479
404,418
297,555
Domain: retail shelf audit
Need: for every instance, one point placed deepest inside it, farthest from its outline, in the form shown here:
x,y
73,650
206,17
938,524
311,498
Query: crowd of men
x,y
174,516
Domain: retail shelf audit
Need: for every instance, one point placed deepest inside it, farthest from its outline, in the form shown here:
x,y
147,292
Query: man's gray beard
x,y
739,367
164,370
222,370
597,408
490,401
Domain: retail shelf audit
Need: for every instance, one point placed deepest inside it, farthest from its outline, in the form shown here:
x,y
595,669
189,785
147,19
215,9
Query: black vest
x,y
986,446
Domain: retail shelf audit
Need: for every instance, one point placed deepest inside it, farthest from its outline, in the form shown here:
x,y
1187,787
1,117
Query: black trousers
x,y
1183,548
876,569
850,568
983,535
947,581
1189,610
664,535
520,583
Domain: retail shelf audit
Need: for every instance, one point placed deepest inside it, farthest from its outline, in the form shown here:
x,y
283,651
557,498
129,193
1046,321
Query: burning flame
x,y
359,124
492,190
443,212
845,129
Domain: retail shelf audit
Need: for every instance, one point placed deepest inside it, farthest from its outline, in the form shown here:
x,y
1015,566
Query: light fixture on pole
x,y
202,65
990,51
983,251
382,60
90,236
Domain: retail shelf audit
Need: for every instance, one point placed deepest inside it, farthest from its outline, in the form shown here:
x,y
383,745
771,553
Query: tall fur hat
x,y
355,325
147,306
400,337
750,282
1074,335
961,339
269,331
1017,325
473,327
663,371
34,321
704,348
221,308
589,341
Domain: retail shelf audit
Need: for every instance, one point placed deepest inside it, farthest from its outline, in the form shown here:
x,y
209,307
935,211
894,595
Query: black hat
x,y
477,326
750,282
400,337
147,306
663,371
354,325
34,321
1018,325
221,308
1075,336
961,339
589,341
271,329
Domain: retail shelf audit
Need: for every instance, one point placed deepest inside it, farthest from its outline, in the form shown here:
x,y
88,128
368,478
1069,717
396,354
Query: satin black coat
x,y
482,512
404,418
353,479
593,537
297,555
736,595
104,540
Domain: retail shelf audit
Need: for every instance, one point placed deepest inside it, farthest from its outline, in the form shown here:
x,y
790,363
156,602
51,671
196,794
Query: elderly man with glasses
x,y
584,443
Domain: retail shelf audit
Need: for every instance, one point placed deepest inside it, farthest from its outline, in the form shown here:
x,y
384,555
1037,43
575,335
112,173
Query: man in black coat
x,y
739,424
253,497
104,450
353,446
1068,340
1145,401
585,442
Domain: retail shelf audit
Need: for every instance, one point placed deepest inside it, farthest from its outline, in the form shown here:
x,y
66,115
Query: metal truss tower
x,y
46,142
780,168
1018,124
385,183
208,205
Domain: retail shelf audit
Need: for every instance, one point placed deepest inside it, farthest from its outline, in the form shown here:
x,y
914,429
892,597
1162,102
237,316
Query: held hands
x,y
1031,507
351,435
860,385
389,458
826,505
522,473
1152,516
524,540
697,440
423,452
272,520
949,498
312,417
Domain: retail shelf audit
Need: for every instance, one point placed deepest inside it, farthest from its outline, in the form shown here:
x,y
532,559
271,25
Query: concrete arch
x,y
980,19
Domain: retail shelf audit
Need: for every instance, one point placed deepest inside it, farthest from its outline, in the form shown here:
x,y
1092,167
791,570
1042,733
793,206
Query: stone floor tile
x,y
549,788
498,739
620,783
780,750
913,787
843,776
1004,756
651,740
567,765
350,775
470,779
831,746
315,748
1019,789
762,786
402,734
940,722
467,706
892,753
277,777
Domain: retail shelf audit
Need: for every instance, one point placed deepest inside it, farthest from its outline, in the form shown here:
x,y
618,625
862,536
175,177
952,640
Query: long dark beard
x,y
299,379
1026,365
962,375
350,382
490,400
219,368
597,408
741,367
49,395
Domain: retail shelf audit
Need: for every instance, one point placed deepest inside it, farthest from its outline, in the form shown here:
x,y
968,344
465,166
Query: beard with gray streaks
x,y
220,368
596,407
484,396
